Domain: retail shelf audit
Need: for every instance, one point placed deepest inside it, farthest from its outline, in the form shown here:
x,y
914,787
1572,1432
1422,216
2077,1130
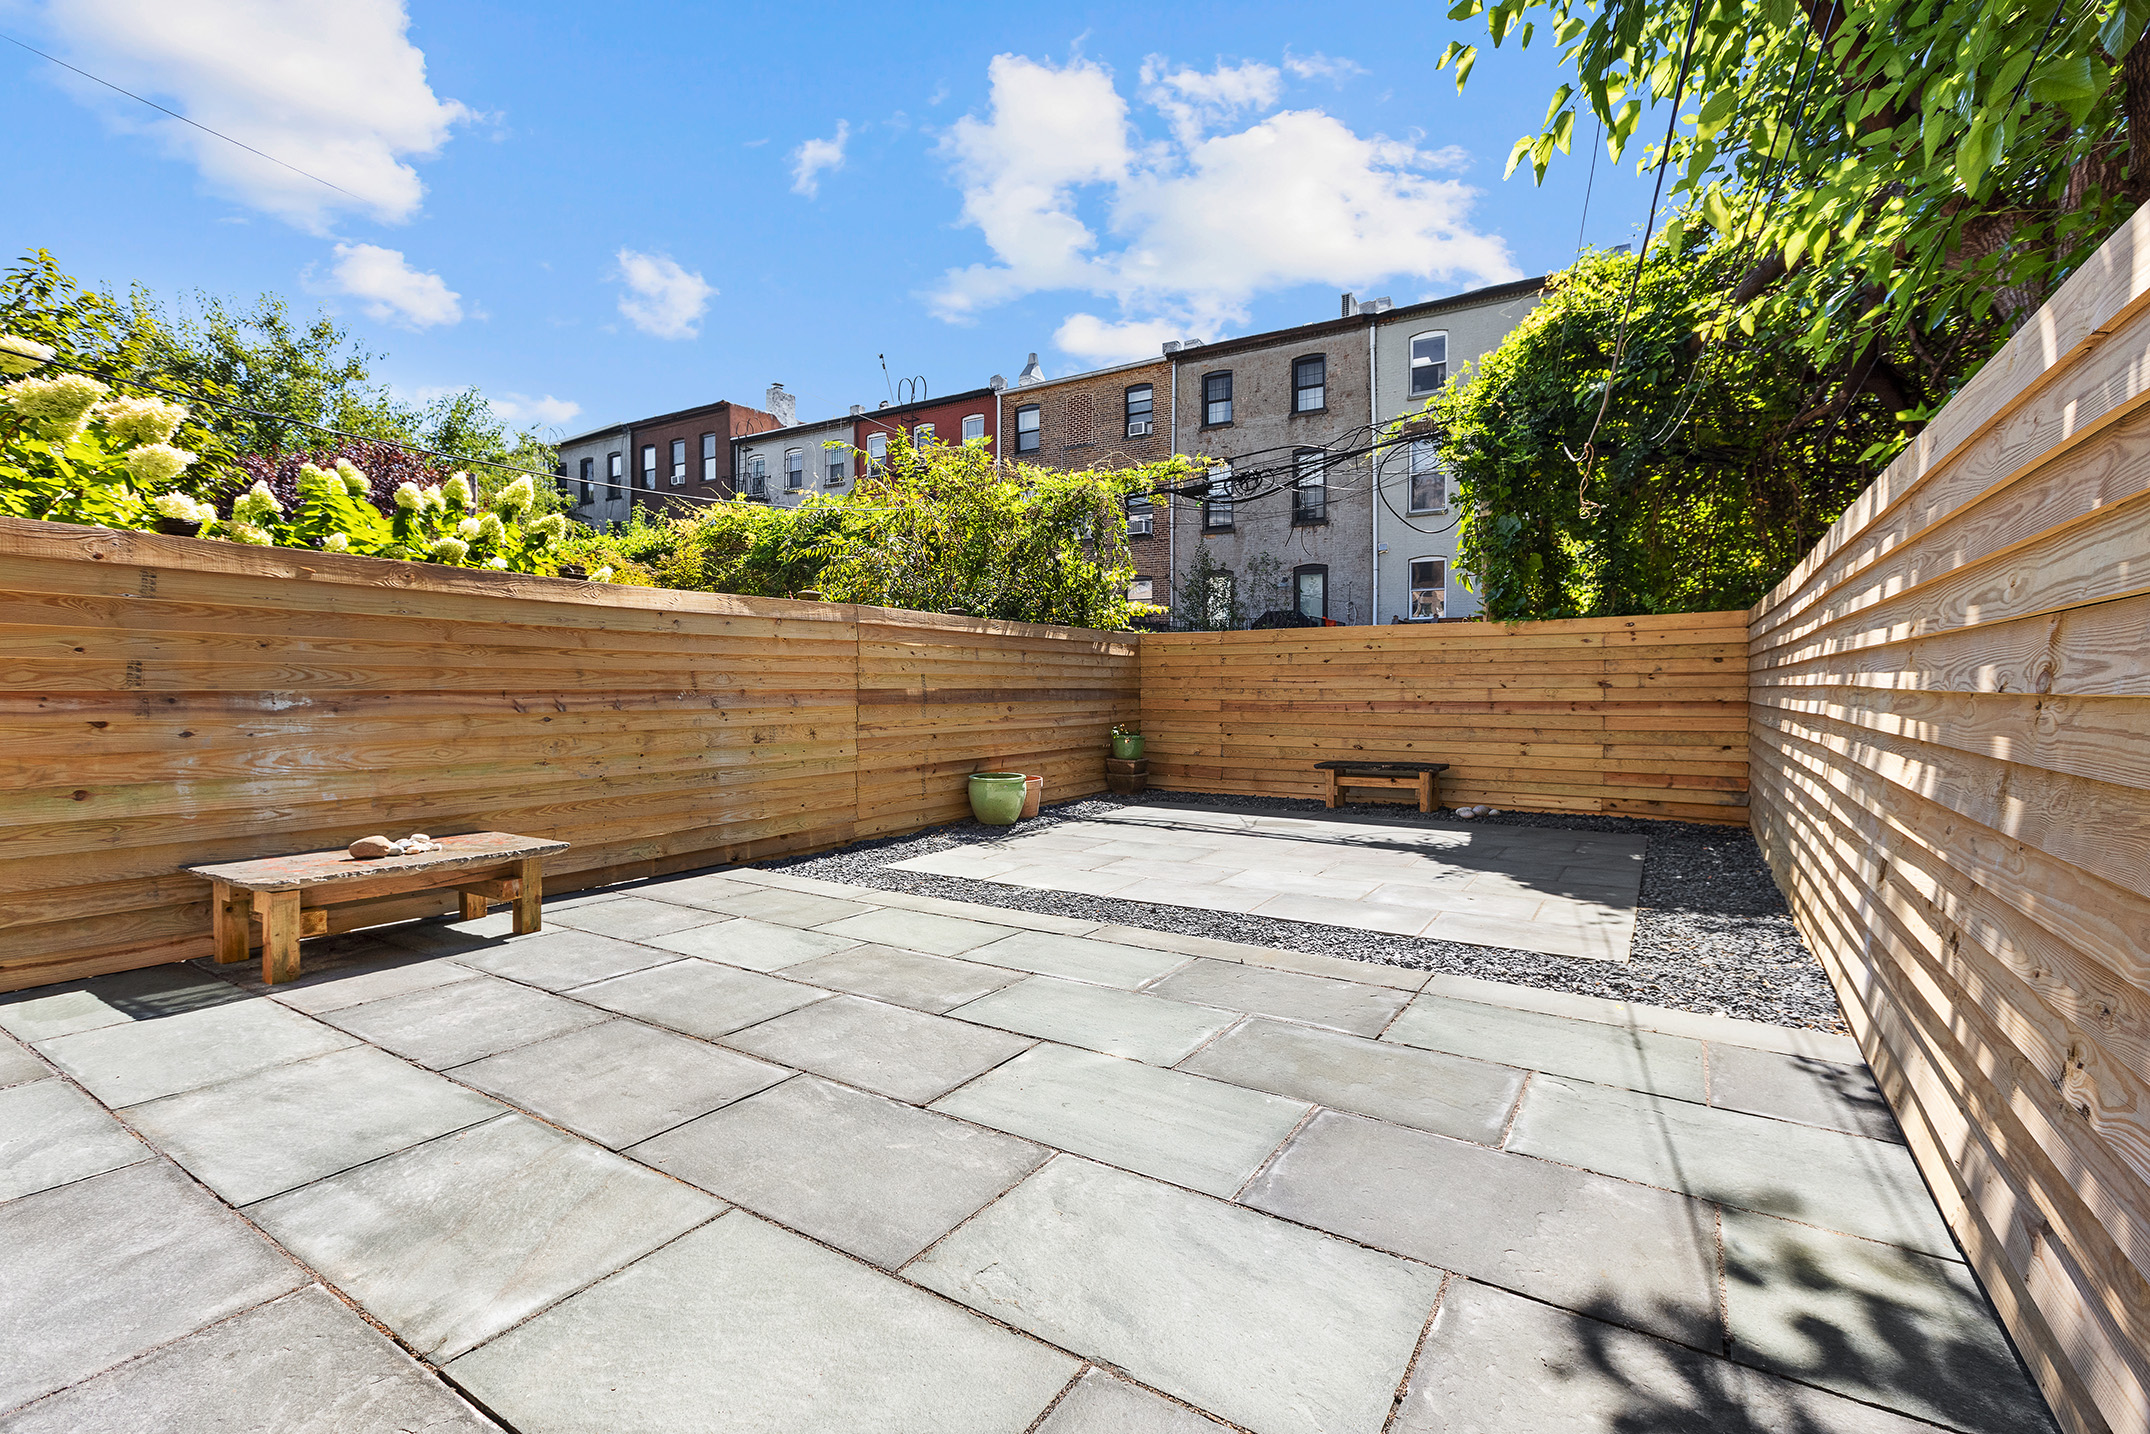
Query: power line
x,y
130,94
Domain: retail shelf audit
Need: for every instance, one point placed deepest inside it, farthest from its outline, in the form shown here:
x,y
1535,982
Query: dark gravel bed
x,y
1711,933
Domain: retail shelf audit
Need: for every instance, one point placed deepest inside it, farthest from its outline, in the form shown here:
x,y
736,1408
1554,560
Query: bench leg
x,y
473,906
279,937
1333,784
230,915
529,902
1425,791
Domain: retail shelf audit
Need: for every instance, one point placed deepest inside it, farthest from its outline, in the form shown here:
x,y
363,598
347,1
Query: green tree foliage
x,y
1710,474
1907,178
938,528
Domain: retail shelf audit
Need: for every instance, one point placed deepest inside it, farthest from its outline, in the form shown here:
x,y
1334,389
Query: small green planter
x,y
996,798
1127,746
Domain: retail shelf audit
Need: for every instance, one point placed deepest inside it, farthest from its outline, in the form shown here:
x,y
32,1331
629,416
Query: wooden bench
x,y
1421,775
289,895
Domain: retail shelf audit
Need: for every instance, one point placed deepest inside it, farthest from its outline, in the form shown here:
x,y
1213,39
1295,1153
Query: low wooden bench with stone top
x,y
289,895
1419,775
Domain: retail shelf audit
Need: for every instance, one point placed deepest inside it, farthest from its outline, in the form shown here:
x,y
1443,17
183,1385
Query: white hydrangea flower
x,y
469,528
410,498
457,491
491,529
248,533
157,464
20,355
140,420
601,575
433,498
449,550
355,481
255,504
550,528
182,508
336,543
62,402
516,497
497,563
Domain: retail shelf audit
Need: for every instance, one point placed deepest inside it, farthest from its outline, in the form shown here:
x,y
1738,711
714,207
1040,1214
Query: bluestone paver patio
x,y
743,1151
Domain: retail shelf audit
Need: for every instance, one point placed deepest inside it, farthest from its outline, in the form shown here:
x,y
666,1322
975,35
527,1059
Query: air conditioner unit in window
x,y
1138,428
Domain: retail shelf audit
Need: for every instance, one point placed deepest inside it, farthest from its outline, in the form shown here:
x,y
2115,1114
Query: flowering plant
x,y
72,453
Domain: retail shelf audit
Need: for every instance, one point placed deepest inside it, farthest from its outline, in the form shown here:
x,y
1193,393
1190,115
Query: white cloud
x,y
810,158
1318,66
335,90
662,298
1189,231
394,292
519,410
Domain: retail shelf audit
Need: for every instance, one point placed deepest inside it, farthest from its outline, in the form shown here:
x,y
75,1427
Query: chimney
x,y
857,409
782,406
1031,373
997,383
1172,346
1350,307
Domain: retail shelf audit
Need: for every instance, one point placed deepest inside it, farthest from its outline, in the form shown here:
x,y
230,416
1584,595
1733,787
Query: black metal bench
x,y
1422,775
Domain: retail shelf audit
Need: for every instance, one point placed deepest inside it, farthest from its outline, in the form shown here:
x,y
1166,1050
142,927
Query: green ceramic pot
x,y
996,798
1128,747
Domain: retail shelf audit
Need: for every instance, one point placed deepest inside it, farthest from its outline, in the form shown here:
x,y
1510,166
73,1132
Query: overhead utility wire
x,y
130,94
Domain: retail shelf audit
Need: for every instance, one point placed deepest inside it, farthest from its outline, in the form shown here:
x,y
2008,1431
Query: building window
x,y
1026,428
1429,362
1216,399
679,461
1429,588
876,451
839,468
1309,384
649,465
612,475
709,458
1141,589
1310,486
794,470
1217,502
589,465
1429,489
1141,401
757,477
1310,590
922,435
1141,519
1221,599
973,426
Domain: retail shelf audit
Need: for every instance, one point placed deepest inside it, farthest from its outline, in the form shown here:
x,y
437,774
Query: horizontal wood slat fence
x,y
168,702
1643,716
1951,736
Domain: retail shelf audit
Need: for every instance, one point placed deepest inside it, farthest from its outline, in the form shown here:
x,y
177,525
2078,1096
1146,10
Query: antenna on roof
x,y
884,377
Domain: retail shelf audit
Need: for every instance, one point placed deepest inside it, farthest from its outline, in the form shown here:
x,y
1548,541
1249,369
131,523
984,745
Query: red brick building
x,y
688,454
953,419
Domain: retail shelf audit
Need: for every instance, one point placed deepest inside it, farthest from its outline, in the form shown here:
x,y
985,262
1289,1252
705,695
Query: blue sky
x,y
598,212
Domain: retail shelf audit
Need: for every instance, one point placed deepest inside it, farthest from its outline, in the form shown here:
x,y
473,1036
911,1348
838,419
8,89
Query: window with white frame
x,y
973,426
1141,518
922,435
1216,399
709,458
1310,384
1310,486
1141,406
1429,362
1429,484
1027,435
839,468
679,461
1141,589
1310,589
1429,588
794,469
649,465
876,451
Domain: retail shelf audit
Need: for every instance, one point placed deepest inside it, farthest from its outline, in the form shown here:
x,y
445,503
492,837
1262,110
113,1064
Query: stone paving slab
x,y
754,945
1079,958
701,998
890,1049
97,1271
864,1173
453,1241
302,1364
1266,1324
1317,1000
140,1060
1624,1253
1801,1088
1606,1055
777,906
148,994
636,918
918,931
18,1063
1449,1095
1906,1331
275,1130
1097,1018
1306,963
1757,1035
1496,1363
373,971
904,978
1841,1182
51,1133
1199,1133
742,1328
621,1081
557,960
455,1025
1101,1404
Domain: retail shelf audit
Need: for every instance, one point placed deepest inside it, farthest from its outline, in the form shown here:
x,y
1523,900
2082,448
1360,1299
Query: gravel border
x,y
1712,933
